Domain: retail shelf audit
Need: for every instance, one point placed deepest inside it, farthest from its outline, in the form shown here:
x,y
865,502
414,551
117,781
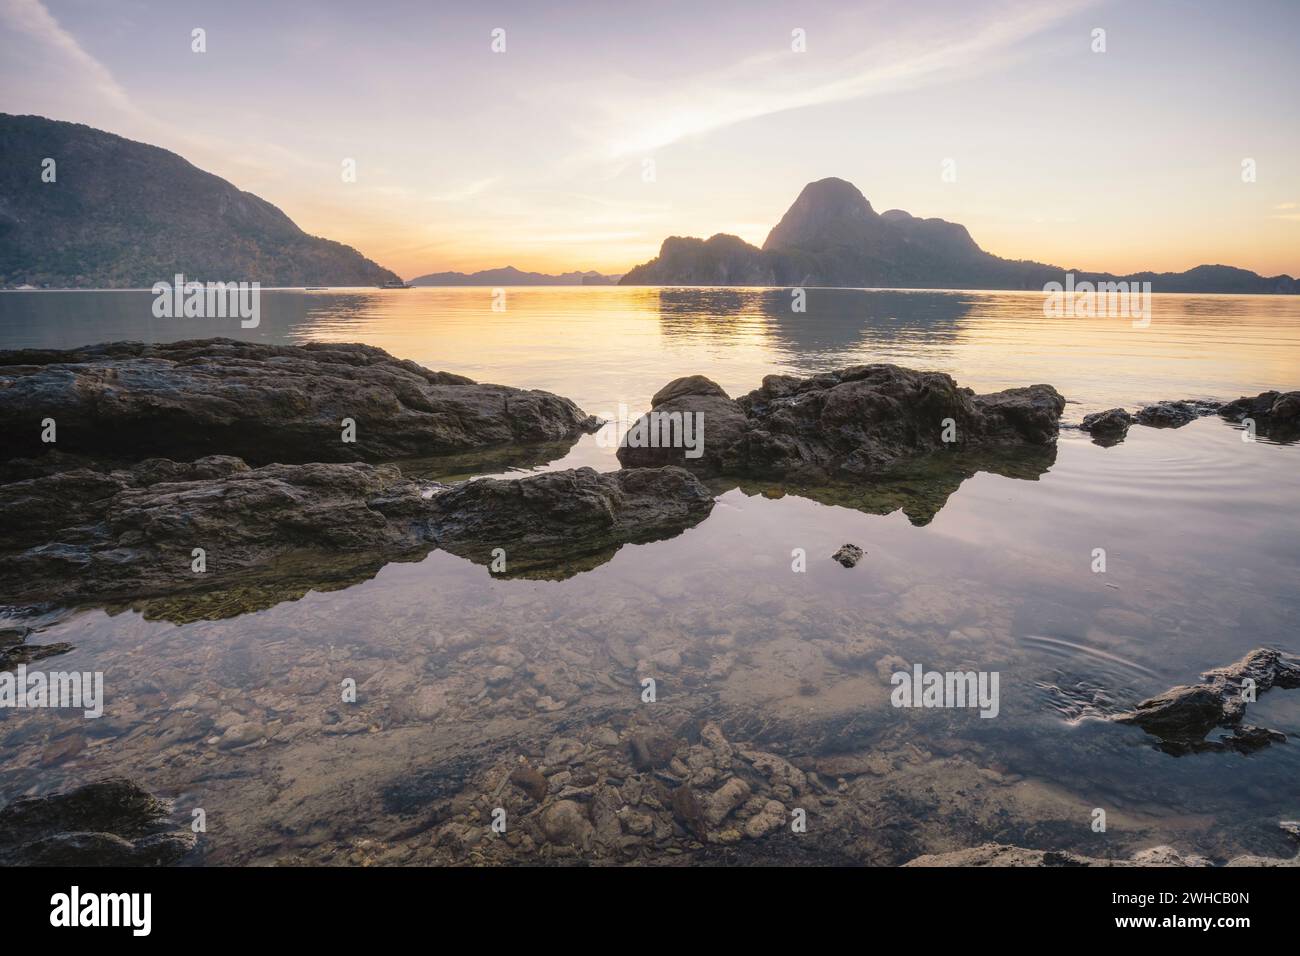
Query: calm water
x,y
976,571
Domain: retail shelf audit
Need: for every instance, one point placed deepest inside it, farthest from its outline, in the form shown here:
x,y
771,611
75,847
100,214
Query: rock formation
x,y
850,423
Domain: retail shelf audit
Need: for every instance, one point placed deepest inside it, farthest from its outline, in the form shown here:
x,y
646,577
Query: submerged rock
x,y
1275,414
1182,716
126,401
845,424
15,650
1109,427
133,532
110,823
848,555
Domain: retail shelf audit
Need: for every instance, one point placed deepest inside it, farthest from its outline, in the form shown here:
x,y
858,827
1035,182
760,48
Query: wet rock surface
x,y
1174,414
1275,414
114,822
1109,427
848,555
545,523
846,424
1183,716
129,533
126,401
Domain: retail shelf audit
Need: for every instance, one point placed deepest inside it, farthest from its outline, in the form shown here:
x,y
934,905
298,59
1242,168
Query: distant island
x,y
512,276
832,236
121,214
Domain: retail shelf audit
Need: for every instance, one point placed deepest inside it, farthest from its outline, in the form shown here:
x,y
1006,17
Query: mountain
x,y
122,214
832,236
512,276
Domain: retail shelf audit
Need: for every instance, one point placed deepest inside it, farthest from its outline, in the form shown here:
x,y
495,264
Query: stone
x,y
1174,414
848,555
1183,715
769,818
651,751
1275,414
262,403
1109,427
850,423
530,781
565,823
563,750
130,532
725,799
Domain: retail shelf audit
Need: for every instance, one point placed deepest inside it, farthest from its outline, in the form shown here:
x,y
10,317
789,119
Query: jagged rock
x,y
131,532
847,424
848,555
1108,427
263,403
1175,414
1183,715
110,823
1275,414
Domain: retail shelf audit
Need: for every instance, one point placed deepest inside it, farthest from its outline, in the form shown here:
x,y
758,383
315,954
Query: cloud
x,y
637,118
30,19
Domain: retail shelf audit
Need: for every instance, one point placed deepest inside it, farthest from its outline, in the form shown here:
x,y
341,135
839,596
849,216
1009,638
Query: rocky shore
x,y
781,749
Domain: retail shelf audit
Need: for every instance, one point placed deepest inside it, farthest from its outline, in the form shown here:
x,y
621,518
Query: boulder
x,y
845,424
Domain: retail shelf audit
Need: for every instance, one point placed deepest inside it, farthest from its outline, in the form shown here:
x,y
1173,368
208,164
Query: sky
x,y
603,128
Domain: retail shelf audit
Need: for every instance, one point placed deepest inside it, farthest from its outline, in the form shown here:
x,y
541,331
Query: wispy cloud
x,y
31,20
641,117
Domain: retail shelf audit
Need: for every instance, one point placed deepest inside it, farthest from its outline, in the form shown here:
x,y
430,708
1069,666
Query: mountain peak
x,y
828,212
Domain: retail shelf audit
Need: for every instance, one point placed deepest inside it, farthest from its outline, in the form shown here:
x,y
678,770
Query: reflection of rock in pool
x,y
918,487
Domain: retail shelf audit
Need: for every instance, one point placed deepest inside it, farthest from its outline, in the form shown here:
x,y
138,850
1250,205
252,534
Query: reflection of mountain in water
x,y
836,323
919,488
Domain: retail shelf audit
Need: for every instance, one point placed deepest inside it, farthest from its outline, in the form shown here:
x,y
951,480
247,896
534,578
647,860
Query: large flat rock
x,y
87,535
128,401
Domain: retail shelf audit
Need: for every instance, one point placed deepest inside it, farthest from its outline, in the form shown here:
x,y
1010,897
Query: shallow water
x,y
979,570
